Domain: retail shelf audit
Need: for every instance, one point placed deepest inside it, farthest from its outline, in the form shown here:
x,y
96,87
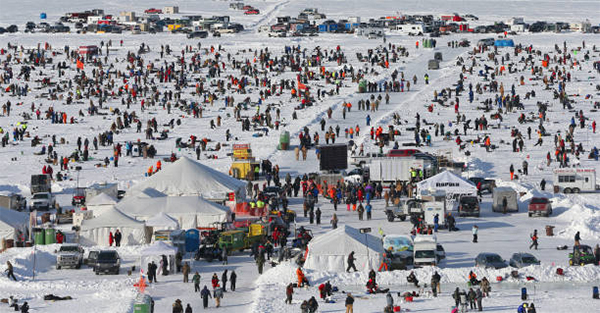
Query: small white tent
x,y
155,252
100,203
188,177
189,211
13,224
96,231
330,250
162,221
454,185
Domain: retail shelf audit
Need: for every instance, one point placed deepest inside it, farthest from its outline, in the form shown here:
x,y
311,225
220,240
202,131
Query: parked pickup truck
x,y
69,255
43,201
540,207
404,208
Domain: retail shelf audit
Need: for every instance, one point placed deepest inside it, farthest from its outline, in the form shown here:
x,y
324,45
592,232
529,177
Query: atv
x,y
581,255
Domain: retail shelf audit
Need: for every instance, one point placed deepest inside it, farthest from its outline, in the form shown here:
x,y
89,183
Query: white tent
x,y
189,211
13,224
454,185
96,231
100,204
188,177
155,252
330,250
162,221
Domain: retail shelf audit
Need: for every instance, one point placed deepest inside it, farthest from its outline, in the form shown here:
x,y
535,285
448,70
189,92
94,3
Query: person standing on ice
x,y
475,230
205,294
512,172
534,240
351,260
9,271
577,239
289,291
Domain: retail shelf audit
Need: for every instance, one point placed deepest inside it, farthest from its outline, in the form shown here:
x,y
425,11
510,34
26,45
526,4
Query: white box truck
x,y
393,169
424,249
575,180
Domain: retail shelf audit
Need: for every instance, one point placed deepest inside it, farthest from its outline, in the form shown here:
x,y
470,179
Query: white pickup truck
x,y
69,255
43,201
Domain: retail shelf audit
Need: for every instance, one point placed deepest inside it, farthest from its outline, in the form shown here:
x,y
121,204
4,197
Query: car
x,y
402,152
468,206
12,29
69,255
107,261
2,30
30,26
486,184
523,259
198,34
540,206
43,201
490,260
486,42
92,257
153,11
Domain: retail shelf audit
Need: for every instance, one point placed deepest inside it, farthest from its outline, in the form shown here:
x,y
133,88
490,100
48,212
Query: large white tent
x,y
186,177
100,204
96,231
162,221
189,211
330,250
13,224
454,185
155,252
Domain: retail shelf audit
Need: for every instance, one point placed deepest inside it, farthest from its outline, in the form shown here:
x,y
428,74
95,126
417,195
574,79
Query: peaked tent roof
x,y
188,177
101,199
111,218
159,248
343,240
12,218
446,180
162,220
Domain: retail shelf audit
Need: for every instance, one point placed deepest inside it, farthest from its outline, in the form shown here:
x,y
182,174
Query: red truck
x,y
539,206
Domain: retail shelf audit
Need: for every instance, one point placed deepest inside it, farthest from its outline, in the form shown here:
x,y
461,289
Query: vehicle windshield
x,y
493,258
586,250
40,196
107,256
529,260
539,201
470,200
69,248
425,254
399,244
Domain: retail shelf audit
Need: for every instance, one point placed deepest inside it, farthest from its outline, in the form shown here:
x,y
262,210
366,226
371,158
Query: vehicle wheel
x,y
390,218
529,214
97,273
58,267
403,218
582,264
576,190
78,266
567,190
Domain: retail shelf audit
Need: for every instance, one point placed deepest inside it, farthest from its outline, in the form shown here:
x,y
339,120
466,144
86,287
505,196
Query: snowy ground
x,y
498,233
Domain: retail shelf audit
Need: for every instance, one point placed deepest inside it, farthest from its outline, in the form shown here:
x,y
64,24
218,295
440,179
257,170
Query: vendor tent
x,y
330,250
162,221
454,185
13,224
188,177
100,203
96,231
155,252
189,211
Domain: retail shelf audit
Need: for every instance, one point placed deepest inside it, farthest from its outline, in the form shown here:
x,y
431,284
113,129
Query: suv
x,y
107,261
468,206
69,255
539,206
197,34
43,200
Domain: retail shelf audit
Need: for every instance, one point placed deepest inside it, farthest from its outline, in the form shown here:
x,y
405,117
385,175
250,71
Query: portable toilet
x,y
438,56
192,240
322,28
143,303
39,236
42,16
284,140
50,235
333,28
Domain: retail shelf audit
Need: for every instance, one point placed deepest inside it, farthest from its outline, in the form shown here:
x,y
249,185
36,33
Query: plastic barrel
x,y
284,140
39,237
50,235
523,293
595,293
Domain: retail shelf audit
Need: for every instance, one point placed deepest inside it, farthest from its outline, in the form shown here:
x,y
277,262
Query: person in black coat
x,y
205,294
188,309
351,260
232,280
118,237
224,280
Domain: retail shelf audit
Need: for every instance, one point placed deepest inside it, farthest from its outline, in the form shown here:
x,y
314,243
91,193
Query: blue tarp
x,y
504,43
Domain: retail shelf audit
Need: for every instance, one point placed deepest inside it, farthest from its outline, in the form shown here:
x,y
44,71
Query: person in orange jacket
x,y
301,278
158,165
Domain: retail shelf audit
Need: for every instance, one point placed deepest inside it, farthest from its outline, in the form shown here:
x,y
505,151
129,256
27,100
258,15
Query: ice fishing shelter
x,y
100,204
13,225
186,177
96,231
454,185
188,211
498,196
329,251
155,253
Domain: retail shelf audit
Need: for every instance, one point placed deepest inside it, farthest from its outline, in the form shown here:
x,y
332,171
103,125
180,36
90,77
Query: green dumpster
x,y
362,86
143,304
284,141
38,237
50,235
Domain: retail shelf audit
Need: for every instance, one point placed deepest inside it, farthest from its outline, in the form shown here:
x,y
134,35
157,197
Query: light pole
x,y
366,231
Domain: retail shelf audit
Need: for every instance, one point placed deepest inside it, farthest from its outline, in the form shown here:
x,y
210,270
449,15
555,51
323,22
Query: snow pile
x,y
580,217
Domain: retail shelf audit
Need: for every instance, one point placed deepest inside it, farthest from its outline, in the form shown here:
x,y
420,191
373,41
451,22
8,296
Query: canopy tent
x,y
155,253
96,231
454,185
188,177
330,250
100,203
13,224
189,211
162,221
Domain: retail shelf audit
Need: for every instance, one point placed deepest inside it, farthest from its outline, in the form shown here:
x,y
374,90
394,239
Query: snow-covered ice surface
x,y
502,234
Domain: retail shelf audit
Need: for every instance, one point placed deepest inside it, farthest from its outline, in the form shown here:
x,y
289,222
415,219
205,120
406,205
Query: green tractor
x,y
582,255
241,239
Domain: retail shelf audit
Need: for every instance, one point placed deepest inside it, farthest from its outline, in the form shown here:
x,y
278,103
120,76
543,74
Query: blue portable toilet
x,y
595,293
348,26
322,28
333,28
523,293
192,240
43,16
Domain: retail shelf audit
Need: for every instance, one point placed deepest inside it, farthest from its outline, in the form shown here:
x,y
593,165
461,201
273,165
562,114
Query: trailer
x,y
391,169
575,180
13,201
